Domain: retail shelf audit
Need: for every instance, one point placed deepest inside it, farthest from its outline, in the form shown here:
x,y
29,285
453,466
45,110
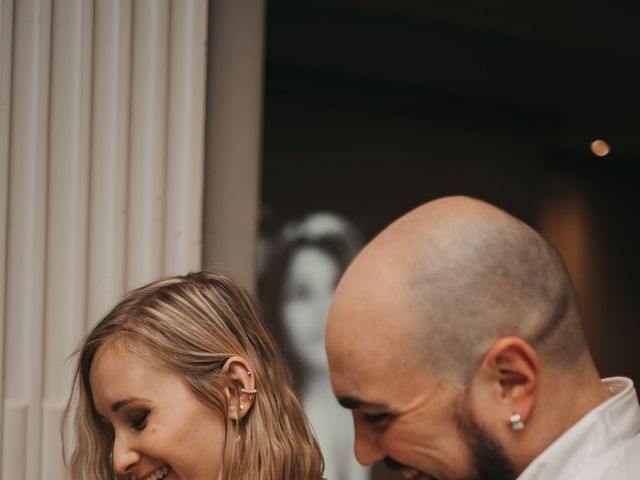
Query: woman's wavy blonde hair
x,y
193,324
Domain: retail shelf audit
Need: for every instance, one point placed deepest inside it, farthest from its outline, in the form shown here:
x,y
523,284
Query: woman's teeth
x,y
159,473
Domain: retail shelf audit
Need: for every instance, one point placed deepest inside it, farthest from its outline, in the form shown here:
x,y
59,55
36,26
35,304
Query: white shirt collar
x,y
609,423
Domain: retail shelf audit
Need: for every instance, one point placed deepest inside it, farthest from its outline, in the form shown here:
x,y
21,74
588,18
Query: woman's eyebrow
x,y
121,403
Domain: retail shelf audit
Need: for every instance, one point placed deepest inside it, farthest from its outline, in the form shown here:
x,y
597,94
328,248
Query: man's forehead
x,y
364,341
367,364
353,392
369,317
368,298
370,330
380,382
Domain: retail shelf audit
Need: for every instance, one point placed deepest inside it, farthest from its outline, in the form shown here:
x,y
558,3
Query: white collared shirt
x,y
604,444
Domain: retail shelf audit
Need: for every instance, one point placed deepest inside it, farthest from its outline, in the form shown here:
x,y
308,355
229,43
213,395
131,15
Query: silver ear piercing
x,y
516,421
241,407
250,392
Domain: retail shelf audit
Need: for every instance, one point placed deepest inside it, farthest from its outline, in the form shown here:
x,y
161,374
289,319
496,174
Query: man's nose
x,y
366,447
125,457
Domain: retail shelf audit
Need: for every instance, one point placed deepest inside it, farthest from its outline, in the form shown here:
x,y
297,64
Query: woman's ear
x,y
511,369
242,392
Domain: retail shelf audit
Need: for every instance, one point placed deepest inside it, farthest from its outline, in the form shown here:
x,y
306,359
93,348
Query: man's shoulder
x,y
621,462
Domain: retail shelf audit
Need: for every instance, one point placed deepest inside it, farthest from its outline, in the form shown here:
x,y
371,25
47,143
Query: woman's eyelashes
x,y
139,420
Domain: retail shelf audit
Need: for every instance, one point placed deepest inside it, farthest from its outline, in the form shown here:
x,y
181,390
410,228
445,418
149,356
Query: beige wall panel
x,y
68,195
26,241
6,45
15,453
234,119
109,155
185,148
148,141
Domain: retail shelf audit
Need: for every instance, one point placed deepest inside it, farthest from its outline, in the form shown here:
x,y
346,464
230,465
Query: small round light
x,y
600,148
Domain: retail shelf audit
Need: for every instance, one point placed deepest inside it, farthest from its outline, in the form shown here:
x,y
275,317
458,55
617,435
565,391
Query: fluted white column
x,y
67,208
6,45
26,241
109,155
185,137
148,140
101,178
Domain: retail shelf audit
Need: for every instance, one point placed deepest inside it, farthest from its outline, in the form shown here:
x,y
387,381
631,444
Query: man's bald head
x,y
449,279
452,329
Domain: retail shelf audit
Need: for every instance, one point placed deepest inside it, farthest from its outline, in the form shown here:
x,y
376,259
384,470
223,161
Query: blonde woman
x,y
181,380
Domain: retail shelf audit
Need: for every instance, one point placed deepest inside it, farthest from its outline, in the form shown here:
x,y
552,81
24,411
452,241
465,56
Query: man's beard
x,y
489,459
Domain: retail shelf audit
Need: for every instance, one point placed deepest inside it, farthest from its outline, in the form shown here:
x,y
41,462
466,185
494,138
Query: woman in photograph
x,y
181,380
304,266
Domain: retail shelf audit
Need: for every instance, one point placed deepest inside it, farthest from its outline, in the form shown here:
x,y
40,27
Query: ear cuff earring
x,y
516,421
250,392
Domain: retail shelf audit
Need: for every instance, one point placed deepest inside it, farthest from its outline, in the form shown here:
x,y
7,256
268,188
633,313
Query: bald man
x,y
455,339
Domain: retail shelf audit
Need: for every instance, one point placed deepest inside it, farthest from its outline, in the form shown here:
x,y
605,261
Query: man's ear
x,y
242,392
512,367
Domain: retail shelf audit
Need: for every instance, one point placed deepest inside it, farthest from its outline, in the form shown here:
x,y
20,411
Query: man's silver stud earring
x,y
248,373
241,407
516,421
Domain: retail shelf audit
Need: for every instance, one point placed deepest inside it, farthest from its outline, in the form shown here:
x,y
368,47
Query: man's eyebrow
x,y
352,403
121,403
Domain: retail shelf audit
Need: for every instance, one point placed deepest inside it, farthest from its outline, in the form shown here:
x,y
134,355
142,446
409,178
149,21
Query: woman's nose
x,y
125,457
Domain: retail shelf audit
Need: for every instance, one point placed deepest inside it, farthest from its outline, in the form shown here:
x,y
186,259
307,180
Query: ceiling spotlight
x,y
600,148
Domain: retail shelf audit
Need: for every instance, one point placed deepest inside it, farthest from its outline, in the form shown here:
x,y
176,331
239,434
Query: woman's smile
x,y
158,474
161,429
